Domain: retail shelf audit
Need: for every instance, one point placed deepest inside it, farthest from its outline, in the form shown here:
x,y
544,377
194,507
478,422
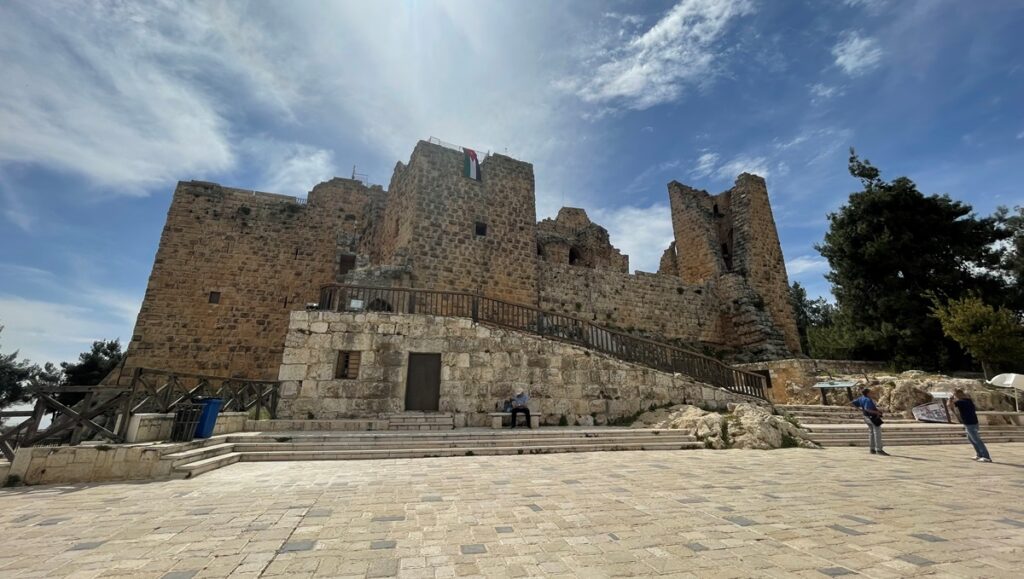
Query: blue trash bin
x,y
211,406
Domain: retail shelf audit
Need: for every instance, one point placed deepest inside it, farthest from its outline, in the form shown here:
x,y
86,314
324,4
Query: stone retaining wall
x,y
74,464
480,367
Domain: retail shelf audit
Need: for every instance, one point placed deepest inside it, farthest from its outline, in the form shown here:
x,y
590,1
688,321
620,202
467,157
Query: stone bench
x,y
498,417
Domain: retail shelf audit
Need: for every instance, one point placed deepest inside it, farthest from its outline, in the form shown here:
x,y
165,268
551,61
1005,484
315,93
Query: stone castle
x,y
232,265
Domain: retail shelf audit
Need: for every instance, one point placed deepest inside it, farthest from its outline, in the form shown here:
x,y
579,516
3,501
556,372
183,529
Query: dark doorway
x,y
423,385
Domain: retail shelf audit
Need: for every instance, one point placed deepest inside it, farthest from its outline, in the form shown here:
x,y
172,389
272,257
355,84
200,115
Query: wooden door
x,y
423,384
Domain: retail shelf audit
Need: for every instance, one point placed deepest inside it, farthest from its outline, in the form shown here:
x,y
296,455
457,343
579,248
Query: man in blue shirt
x,y
969,418
873,418
519,406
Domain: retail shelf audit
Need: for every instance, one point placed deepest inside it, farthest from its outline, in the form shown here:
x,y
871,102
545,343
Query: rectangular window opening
x,y
214,297
347,367
346,263
481,228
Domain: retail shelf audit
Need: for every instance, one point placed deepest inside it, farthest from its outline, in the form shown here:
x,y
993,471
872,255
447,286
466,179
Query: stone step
x,y
194,469
288,425
910,427
498,443
479,434
903,441
467,451
200,453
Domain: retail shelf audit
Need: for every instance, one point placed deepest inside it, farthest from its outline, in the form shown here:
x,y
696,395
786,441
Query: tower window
x,y
346,263
481,228
574,256
214,297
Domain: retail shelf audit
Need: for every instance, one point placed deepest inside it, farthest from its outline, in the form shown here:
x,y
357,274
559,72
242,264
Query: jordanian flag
x,y
471,166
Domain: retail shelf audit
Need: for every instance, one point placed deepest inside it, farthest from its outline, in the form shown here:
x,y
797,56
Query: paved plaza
x,y
926,511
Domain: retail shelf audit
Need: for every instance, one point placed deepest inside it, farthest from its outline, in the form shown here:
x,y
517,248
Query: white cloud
x,y
680,50
821,92
45,331
642,233
806,264
76,312
290,168
856,54
705,165
98,90
745,164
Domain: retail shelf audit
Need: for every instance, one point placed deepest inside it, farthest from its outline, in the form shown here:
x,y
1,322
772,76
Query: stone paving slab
x,y
925,511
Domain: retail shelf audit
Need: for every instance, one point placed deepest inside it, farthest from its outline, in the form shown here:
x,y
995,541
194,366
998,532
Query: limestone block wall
x,y
480,367
655,305
230,267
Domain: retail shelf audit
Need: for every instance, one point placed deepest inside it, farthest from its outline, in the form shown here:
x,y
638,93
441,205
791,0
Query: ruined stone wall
x,y
571,238
731,238
646,304
480,367
698,257
264,254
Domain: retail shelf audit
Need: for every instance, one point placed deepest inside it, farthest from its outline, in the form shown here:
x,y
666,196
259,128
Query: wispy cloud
x,y
705,165
745,164
873,6
806,264
856,54
680,50
822,92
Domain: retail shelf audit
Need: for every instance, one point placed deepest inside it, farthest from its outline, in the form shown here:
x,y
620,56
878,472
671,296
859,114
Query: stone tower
x,y
732,237
460,234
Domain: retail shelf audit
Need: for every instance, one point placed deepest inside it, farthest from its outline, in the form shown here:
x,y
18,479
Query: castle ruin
x,y
232,265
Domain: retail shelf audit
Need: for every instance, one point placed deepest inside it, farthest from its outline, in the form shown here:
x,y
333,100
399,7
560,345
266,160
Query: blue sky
x,y
104,106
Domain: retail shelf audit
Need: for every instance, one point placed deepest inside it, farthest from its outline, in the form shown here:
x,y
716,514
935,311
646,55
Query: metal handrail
x,y
650,353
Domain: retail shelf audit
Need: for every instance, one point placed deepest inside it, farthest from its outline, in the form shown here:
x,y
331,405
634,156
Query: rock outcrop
x,y
899,393
747,426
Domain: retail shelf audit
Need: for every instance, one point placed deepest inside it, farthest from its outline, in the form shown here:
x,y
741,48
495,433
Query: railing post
x,y
475,308
412,302
540,323
79,429
37,417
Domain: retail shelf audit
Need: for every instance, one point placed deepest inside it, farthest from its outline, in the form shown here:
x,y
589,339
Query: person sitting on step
x,y
519,406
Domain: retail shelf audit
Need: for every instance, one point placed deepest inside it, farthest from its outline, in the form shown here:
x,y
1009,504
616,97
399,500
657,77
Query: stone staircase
x,y
841,426
203,456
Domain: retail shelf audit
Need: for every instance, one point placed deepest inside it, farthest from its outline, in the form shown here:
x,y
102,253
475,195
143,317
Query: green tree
x,y
810,314
14,378
1013,256
93,365
993,336
887,247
